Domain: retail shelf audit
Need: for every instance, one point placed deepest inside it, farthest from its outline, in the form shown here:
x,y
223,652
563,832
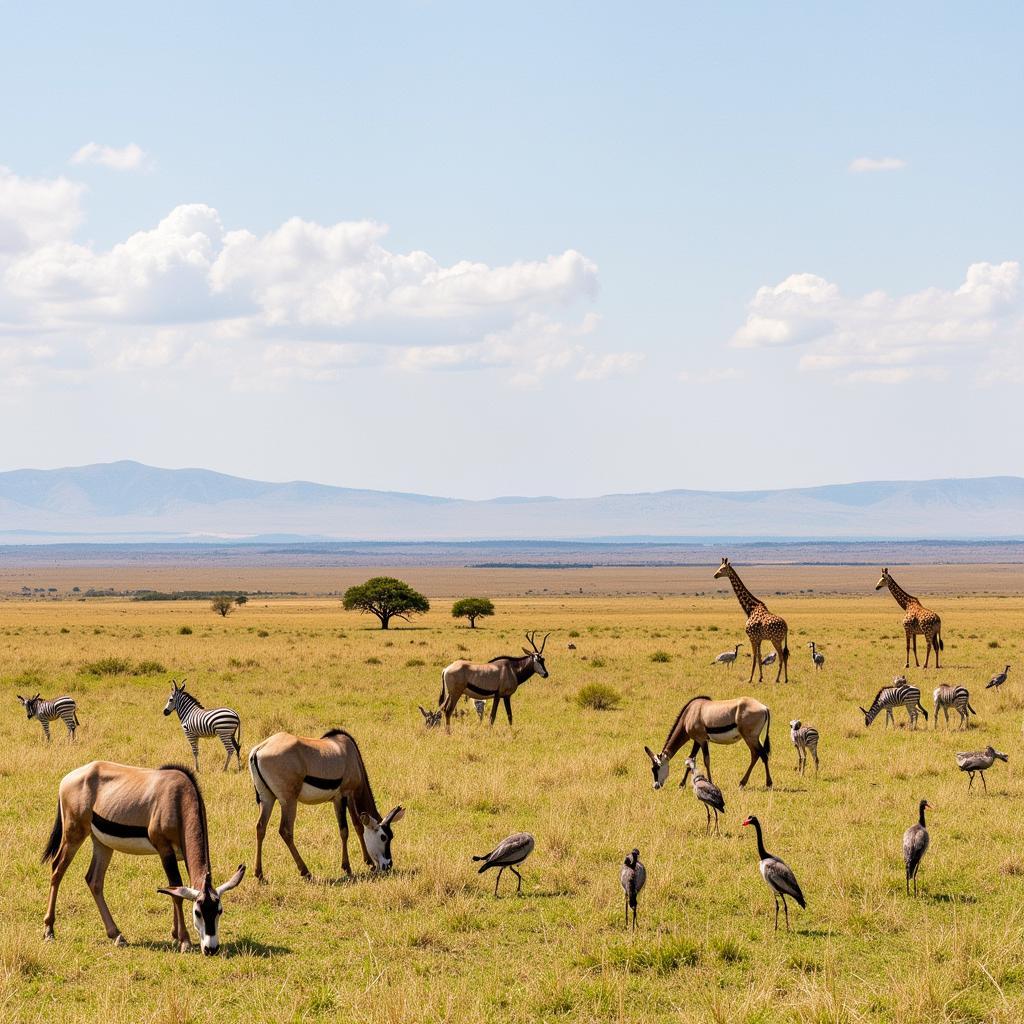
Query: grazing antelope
x,y
761,625
915,845
890,697
707,793
498,679
727,657
303,770
816,656
197,722
946,697
705,721
918,620
978,761
804,737
48,711
778,876
996,681
632,878
507,854
142,811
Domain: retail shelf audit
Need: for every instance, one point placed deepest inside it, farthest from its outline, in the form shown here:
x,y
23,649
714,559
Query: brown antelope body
x,y
497,680
138,811
706,721
303,770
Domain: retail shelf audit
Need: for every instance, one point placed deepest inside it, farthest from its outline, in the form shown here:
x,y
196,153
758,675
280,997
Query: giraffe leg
x,y
917,663
780,652
907,633
927,648
755,646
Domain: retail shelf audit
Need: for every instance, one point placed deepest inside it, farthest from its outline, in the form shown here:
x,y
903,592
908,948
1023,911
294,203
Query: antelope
x,y
498,679
48,711
704,720
303,770
141,811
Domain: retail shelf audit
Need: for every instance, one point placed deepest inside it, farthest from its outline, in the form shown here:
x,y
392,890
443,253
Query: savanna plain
x,y
429,942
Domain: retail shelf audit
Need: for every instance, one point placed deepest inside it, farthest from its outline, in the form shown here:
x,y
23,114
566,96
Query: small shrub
x,y
574,632
712,629
108,667
262,633
661,657
993,643
64,629
373,660
415,663
185,631
149,668
598,697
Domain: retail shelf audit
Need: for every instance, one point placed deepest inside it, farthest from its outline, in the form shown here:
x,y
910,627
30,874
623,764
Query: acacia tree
x,y
472,608
385,597
222,604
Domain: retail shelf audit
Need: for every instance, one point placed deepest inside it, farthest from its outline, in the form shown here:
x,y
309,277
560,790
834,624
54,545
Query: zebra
x,y
48,711
804,737
890,697
196,721
958,697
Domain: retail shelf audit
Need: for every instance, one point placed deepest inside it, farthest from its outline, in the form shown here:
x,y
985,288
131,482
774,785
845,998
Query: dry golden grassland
x,y
430,942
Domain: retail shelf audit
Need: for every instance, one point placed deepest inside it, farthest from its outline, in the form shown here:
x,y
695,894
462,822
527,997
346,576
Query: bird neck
x,y
920,817
761,851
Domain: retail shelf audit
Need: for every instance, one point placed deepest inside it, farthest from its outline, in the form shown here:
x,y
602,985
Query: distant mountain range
x,y
127,501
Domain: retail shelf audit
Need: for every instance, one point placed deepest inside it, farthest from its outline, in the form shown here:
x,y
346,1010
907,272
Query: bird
x,y
998,679
777,875
727,657
431,719
507,854
632,878
980,761
480,706
707,793
769,659
816,656
915,843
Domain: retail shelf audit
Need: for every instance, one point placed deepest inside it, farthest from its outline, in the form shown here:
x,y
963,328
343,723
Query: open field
x,y
429,942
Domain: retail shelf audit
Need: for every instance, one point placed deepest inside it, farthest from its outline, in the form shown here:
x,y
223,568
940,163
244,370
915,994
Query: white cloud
x,y
869,164
611,364
35,211
889,339
125,158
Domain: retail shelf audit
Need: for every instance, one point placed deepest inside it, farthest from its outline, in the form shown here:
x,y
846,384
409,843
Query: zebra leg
x,y
193,742
340,810
46,729
814,751
508,709
179,930
94,880
266,809
287,833
70,723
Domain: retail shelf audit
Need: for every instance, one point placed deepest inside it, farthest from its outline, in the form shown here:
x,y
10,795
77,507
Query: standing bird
x,y
998,679
632,878
978,761
777,875
727,657
707,793
507,854
480,707
769,659
915,843
816,656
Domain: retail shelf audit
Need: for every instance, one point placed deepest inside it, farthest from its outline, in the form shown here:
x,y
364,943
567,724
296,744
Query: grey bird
x,y
980,761
507,854
778,876
632,878
480,706
727,657
769,659
915,843
707,793
998,679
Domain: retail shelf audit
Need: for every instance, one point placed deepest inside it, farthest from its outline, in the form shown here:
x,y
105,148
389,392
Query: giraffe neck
x,y
903,599
746,599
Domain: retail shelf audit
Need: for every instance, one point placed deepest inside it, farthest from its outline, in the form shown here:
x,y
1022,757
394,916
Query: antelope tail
x,y
768,726
440,699
56,837
254,768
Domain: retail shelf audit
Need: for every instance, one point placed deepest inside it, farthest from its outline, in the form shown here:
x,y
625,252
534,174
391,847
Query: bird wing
x,y
779,876
915,842
971,760
709,793
513,850
639,876
627,879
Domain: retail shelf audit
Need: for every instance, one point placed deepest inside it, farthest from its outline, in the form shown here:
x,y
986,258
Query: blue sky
x,y
543,248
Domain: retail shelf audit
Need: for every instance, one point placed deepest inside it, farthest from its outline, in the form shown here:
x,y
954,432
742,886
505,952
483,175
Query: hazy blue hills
x,y
131,501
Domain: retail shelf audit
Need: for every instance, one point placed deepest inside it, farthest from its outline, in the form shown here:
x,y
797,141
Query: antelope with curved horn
x,y
303,770
141,811
705,721
498,679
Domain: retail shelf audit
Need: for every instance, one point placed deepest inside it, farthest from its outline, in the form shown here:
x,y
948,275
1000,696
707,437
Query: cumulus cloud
x,y
889,339
36,211
869,164
124,158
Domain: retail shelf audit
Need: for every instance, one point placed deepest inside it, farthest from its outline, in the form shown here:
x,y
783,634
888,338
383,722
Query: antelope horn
x,y
543,642
529,636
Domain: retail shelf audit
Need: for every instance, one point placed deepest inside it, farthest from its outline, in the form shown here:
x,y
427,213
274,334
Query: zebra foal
x,y
890,697
958,697
48,711
197,721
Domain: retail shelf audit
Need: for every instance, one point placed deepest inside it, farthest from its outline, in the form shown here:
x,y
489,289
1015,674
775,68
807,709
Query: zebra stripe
x,y
198,722
48,711
890,697
958,697
805,738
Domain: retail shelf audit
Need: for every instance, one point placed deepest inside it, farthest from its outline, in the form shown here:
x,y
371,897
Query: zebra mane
x,y
331,733
187,772
680,716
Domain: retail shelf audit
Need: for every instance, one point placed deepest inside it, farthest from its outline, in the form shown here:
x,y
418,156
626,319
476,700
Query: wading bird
x,y
978,761
632,878
777,875
727,657
508,854
998,679
707,793
915,843
816,656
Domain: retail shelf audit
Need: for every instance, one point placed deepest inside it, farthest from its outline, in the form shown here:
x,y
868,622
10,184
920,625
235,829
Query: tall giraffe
x,y
917,620
761,624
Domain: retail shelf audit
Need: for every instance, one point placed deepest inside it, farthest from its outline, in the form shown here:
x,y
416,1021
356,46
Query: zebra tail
x,y
922,707
767,732
972,711
237,738
56,837
77,722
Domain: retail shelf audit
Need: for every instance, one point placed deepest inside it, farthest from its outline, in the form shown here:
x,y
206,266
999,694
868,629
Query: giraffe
x,y
761,625
917,620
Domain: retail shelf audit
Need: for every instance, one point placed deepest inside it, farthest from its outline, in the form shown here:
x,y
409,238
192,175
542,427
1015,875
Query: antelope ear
x,y
368,820
423,711
396,814
232,882
22,699
181,892
527,653
650,753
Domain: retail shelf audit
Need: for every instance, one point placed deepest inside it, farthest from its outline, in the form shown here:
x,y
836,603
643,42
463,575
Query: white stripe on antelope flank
x,y
48,711
197,721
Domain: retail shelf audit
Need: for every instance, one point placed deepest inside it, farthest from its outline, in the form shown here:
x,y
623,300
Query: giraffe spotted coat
x,y
761,625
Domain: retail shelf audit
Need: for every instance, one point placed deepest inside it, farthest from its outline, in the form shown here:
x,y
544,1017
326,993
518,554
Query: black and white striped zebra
x,y
48,711
805,738
197,721
958,697
890,697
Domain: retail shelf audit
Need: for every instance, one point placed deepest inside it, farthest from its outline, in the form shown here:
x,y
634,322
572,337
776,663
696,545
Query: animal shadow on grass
x,y
246,945
367,877
951,897
789,789
814,933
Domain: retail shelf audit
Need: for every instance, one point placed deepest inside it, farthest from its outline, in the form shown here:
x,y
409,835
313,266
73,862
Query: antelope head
x,y
30,704
537,654
883,580
659,767
377,836
172,701
206,907
723,569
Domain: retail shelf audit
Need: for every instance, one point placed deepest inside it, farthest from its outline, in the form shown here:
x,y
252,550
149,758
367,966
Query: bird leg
x,y
497,880
785,907
983,782
970,775
717,833
707,811
776,911
519,884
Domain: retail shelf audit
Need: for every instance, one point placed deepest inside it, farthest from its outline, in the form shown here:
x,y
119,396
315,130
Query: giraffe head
x,y
883,581
723,569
